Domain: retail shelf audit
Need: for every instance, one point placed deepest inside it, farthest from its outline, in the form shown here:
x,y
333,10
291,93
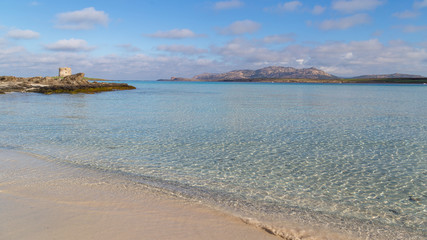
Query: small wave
x,y
296,233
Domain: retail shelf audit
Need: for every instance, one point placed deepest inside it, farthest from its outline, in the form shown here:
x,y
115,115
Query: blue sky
x,y
148,40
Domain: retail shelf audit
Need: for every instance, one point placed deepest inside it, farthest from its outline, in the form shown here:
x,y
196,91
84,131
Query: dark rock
x,y
35,79
7,79
394,211
414,199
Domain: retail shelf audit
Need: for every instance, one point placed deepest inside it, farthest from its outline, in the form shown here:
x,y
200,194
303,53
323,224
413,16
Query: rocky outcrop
x,y
272,72
76,79
70,84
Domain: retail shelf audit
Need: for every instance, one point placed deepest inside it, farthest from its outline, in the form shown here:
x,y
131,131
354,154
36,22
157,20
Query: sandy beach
x,y
45,200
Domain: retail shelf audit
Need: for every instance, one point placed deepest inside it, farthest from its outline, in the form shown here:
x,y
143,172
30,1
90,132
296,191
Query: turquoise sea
x,y
350,158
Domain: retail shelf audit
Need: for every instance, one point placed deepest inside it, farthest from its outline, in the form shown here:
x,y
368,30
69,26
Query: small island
x,y
64,83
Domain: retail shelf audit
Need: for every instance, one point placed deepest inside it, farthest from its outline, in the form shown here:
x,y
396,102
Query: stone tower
x,y
65,71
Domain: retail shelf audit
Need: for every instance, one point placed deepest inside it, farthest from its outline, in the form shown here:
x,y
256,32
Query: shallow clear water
x,y
345,154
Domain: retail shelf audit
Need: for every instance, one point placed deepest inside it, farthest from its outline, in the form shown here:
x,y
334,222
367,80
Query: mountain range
x,y
284,73
268,72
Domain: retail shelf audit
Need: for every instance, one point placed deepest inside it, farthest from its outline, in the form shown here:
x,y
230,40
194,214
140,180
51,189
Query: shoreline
x,y
43,200
58,199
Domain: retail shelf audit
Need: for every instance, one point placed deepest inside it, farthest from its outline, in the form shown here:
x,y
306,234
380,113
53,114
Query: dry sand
x,y
45,200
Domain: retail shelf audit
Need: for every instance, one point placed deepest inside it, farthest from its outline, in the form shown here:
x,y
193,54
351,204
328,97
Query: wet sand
x,y
40,199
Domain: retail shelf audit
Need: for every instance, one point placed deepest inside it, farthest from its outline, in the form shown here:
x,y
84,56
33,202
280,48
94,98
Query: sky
x,y
149,40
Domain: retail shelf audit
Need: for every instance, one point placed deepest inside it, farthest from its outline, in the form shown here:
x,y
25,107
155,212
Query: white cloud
x,y
240,27
412,28
289,6
228,4
280,38
318,10
184,49
420,4
368,57
349,6
83,19
300,61
406,14
338,58
20,62
345,23
128,47
141,66
69,45
11,50
3,42
377,33
244,52
175,34
22,34
348,55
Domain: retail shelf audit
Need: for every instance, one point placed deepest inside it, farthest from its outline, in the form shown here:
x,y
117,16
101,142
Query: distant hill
x,y
293,75
272,72
394,75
